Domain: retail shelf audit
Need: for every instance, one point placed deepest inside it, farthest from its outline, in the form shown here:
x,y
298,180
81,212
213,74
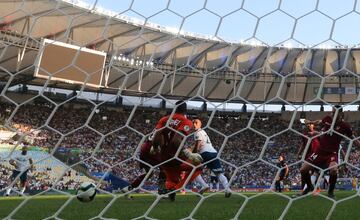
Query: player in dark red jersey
x,y
326,155
309,132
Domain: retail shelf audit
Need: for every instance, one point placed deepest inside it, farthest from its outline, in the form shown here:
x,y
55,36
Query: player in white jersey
x,y
204,147
22,163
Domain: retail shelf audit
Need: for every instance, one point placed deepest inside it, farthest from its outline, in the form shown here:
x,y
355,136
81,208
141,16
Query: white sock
x,y
8,191
327,179
23,190
224,181
217,186
313,180
305,186
201,181
211,186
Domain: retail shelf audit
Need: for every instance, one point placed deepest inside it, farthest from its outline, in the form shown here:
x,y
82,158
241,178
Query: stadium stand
x,y
120,144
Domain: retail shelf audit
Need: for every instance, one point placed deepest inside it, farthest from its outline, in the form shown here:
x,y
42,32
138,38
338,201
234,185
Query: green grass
x,y
214,206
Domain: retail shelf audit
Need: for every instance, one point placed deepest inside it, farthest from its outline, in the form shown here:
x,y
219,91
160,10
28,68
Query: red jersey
x,y
330,142
313,145
177,122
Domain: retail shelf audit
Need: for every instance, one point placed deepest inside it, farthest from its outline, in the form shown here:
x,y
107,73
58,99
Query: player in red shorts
x,y
326,155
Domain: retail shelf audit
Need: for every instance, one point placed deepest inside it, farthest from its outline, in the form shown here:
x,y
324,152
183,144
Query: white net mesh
x,y
86,99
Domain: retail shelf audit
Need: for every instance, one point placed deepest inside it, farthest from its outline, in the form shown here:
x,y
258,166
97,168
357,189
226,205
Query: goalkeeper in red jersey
x,y
170,132
162,147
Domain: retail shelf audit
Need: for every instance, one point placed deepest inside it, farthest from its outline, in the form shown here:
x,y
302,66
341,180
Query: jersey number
x,y
313,156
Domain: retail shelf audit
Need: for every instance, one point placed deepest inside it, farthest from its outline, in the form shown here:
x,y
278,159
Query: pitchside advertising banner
x,y
10,147
338,90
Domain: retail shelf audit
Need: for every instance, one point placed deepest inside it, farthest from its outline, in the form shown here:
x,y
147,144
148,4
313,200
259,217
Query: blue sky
x,y
307,22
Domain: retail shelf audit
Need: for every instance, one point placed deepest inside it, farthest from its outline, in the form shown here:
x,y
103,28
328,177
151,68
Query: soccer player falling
x,y
162,147
326,155
209,154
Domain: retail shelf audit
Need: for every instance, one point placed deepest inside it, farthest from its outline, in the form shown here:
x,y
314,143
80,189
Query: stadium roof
x,y
147,59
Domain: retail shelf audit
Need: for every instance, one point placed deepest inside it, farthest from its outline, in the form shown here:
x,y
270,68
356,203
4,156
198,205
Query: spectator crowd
x,y
106,139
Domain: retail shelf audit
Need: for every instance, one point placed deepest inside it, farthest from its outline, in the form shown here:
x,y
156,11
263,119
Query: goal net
x,y
275,86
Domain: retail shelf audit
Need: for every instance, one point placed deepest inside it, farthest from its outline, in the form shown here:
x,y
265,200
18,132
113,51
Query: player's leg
x,y
326,180
318,160
172,179
333,177
185,180
277,186
145,158
277,183
224,181
23,183
173,176
305,178
187,168
138,180
215,167
8,190
212,183
204,186
315,178
311,172
279,177
161,183
303,184
14,174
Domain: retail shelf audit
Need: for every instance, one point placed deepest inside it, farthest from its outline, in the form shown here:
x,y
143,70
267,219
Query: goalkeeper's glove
x,y
194,157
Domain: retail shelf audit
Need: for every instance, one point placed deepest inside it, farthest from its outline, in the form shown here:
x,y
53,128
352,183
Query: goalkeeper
x,y
169,134
162,148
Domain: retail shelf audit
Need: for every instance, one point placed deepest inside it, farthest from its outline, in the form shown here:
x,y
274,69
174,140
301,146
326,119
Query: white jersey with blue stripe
x,y
205,143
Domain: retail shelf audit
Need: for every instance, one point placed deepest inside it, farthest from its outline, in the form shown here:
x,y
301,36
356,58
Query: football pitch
x,y
215,206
